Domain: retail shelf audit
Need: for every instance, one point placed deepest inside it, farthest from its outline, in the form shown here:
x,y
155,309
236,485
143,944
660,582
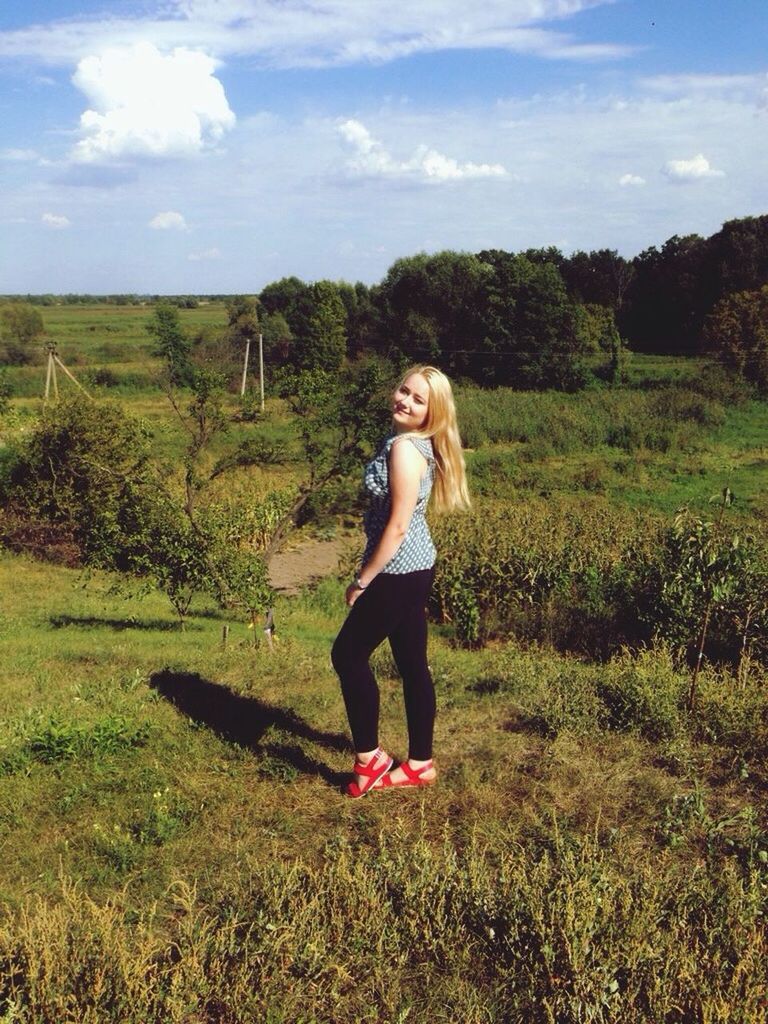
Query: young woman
x,y
389,595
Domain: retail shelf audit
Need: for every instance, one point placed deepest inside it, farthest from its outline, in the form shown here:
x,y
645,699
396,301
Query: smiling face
x,y
410,404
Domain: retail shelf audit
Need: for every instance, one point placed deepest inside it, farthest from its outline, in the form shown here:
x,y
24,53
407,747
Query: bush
x,y
82,469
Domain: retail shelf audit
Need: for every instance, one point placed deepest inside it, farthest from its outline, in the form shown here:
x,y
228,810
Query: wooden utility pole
x,y
50,375
261,369
245,364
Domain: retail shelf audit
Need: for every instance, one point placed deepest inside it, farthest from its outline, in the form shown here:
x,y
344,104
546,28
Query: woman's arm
x,y
406,468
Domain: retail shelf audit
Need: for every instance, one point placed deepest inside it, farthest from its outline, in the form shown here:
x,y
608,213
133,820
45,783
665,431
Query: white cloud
x,y
315,33
632,180
168,220
55,220
371,159
19,155
695,169
204,254
702,84
149,104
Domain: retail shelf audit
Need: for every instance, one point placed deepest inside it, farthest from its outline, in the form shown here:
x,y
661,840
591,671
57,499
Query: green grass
x,y
165,800
172,809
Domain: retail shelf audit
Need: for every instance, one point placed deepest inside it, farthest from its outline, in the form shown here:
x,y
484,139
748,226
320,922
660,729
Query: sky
x,y
213,146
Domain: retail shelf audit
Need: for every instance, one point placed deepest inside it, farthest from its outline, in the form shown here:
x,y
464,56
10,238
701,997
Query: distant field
x,y
92,337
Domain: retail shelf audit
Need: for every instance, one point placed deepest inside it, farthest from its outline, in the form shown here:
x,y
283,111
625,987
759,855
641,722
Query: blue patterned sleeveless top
x,y
416,550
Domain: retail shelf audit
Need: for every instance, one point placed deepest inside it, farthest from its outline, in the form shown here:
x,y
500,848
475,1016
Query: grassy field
x,y
176,845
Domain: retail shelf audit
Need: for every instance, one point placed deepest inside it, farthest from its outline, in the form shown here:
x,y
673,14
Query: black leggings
x,y
394,606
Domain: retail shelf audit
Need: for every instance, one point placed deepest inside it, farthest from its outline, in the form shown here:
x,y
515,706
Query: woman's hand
x,y
352,594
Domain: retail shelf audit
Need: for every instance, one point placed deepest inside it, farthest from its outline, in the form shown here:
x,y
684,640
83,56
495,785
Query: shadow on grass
x,y
86,621
247,721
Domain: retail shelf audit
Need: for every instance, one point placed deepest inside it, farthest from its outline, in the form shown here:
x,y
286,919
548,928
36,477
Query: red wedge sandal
x,y
413,778
377,767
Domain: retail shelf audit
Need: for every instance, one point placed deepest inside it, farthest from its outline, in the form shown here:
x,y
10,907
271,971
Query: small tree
x,y
84,467
596,327
204,419
21,326
172,343
703,572
338,420
736,331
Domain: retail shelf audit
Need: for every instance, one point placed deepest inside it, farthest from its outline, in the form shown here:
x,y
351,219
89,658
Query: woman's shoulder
x,y
423,445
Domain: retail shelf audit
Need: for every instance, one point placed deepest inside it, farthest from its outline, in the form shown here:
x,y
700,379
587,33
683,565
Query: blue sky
x,y
216,145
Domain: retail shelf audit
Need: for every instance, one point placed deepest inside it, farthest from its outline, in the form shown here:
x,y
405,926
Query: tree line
x,y
533,319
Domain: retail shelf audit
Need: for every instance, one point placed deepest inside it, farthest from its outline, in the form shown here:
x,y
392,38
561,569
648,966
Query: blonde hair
x,y
449,492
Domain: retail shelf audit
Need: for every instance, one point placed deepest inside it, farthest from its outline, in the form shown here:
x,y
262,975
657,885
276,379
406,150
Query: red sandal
x,y
377,767
413,778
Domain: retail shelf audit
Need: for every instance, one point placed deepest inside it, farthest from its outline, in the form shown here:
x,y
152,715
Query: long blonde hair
x,y
449,492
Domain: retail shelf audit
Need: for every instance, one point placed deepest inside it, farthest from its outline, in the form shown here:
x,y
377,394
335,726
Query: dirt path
x,y
289,570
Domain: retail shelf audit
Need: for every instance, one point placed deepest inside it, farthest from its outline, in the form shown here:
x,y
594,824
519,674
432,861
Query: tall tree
x,y
291,297
530,326
430,309
600,277
171,343
667,297
325,344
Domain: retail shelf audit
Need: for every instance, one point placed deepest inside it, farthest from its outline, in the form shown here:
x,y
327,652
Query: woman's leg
x,y
409,647
370,620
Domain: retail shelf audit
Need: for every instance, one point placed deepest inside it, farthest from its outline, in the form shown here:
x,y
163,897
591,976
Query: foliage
x,y
84,465
588,577
242,321
712,582
6,390
325,343
165,547
171,343
529,325
429,309
204,420
674,288
278,339
502,933
597,329
339,417
292,299
736,331
21,327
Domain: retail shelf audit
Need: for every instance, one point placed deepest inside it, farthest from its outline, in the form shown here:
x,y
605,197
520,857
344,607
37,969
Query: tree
x,y
325,344
278,339
667,298
86,467
430,310
339,421
530,336
596,326
600,277
242,320
21,326
737,257
291,297
736,331
171,343
205,419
